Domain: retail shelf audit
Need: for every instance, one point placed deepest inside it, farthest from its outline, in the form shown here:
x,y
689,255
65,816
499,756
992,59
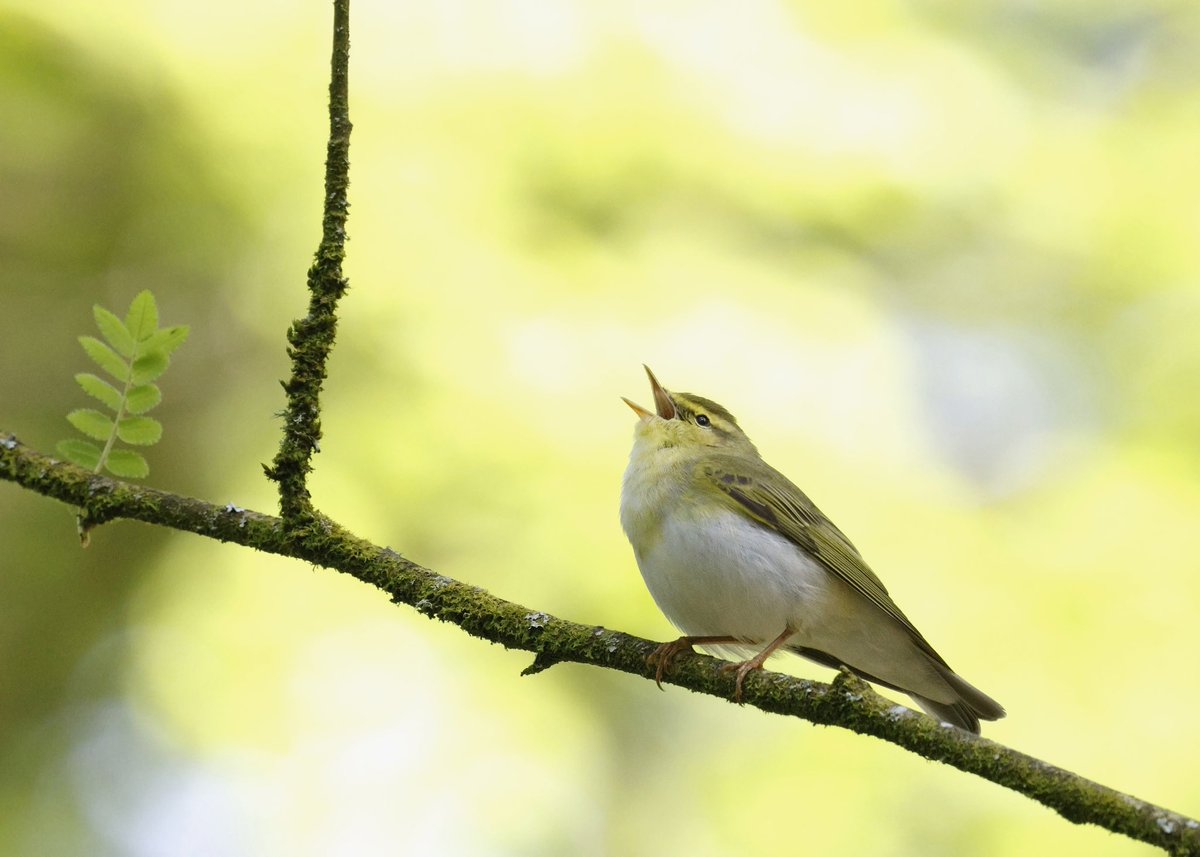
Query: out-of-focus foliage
x,y
939,258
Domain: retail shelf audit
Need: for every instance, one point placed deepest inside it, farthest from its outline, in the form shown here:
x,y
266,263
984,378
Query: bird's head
x,y
687,421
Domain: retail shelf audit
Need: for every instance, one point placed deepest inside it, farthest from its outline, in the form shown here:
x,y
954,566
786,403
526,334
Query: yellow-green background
x,y
939,257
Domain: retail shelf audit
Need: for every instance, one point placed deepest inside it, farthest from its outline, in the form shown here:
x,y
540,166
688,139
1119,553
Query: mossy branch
x,y
847,702
311,338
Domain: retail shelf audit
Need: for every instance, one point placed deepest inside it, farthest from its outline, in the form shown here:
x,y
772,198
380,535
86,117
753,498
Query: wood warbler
x,y
739,559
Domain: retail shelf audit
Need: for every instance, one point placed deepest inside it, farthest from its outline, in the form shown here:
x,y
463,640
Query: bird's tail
x,y
972,706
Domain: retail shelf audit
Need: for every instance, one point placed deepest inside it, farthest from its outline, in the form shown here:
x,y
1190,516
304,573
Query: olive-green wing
x,y
761,492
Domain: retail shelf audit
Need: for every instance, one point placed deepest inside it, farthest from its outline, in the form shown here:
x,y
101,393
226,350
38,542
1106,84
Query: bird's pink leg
x,y
667,652
755,663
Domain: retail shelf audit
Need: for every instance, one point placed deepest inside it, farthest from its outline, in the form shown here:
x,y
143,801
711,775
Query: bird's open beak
x,y
638,409
662,400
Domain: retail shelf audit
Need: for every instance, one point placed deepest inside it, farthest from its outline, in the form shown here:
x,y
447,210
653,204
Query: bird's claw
x,y
741,670
662,657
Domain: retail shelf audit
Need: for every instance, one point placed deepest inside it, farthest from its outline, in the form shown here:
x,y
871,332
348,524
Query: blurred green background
x,y
939,257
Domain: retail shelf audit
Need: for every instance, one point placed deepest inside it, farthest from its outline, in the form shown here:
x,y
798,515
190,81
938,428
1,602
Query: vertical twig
x,y
311,338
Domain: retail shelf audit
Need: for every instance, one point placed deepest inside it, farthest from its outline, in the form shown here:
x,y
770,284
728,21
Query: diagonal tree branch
x,y
847,702
311,338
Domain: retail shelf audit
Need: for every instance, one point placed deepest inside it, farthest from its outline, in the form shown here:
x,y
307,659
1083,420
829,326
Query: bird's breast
x,y
713,572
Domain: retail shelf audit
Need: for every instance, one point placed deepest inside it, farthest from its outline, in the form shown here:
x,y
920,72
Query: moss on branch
x,y
847,702
310,339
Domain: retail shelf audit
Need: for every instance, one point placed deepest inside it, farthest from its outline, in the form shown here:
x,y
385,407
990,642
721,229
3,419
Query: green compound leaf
x,y
166,340
105,358
114,331
142,319
127,464
140,431
142,398
149,366
91,422
81,452
98,388
135,352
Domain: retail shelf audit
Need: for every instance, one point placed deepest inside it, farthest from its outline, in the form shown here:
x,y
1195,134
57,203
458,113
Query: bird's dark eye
x,y
702,420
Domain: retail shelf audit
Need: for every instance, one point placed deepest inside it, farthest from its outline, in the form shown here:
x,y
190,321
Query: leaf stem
x,y
112,435
83,525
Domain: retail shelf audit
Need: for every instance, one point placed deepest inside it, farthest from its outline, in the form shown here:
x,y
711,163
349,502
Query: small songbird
x,y
739,559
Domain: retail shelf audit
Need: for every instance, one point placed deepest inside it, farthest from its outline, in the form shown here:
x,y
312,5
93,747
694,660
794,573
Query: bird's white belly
x,y
722,574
